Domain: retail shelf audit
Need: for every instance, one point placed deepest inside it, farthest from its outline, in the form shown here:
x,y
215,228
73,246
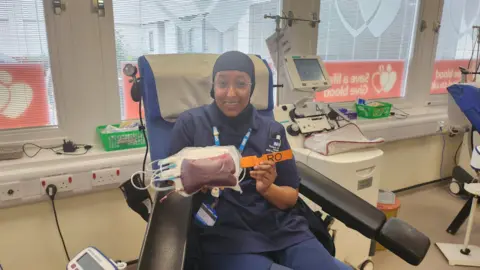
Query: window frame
x,y
67,77
437,99
85,45
45,133
420,63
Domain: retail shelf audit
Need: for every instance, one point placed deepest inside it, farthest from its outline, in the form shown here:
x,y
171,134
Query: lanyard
x,y
240,149
242,144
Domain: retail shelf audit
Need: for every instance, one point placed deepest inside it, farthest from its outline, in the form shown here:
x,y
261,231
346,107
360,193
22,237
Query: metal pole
x,y
466,250
277,30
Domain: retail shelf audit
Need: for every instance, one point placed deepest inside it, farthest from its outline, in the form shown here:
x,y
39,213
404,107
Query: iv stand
x,y
290,19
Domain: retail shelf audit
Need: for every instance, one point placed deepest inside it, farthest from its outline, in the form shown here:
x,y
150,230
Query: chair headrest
x,y
184,81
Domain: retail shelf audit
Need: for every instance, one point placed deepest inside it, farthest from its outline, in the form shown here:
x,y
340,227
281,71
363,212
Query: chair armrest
x,y
340,203
404,241
397,236
164,245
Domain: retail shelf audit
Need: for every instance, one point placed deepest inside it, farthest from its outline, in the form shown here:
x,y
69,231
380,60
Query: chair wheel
x,y
455,187
366,265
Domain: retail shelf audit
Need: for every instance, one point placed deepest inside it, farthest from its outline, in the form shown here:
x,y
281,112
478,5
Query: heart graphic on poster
x,y
384,79
14,98
377,16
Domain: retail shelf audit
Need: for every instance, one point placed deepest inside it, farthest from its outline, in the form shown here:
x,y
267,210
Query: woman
x,y
259,227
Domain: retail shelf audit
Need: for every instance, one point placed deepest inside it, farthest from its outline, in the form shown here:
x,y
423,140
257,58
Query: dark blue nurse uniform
x,y
249,229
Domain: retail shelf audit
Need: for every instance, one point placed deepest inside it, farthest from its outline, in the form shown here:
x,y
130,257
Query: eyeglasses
x,y
223,85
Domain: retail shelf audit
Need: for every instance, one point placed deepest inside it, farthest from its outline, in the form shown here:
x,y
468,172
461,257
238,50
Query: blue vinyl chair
x,y
158,128
169,226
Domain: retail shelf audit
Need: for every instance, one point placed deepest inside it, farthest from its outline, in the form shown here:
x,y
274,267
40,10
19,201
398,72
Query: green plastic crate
x,y
121,140
372,112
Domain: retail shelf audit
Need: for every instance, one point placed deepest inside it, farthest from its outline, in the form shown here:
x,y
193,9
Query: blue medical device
x,y
93,259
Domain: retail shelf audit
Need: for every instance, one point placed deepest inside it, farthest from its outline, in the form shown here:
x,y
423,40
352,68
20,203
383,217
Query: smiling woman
x,y
232,91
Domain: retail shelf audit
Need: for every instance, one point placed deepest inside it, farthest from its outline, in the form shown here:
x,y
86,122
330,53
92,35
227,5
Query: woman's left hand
x,y
265,174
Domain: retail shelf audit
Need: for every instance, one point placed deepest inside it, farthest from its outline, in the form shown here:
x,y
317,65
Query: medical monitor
x,y
307,73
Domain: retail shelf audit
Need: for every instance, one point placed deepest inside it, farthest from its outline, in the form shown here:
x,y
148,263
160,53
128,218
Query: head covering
x,y
234,60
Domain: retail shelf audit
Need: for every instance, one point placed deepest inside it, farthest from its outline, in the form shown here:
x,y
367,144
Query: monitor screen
x,y
88,263
309,69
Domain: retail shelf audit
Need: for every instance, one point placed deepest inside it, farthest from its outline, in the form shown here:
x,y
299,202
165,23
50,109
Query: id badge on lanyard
x,y
206,215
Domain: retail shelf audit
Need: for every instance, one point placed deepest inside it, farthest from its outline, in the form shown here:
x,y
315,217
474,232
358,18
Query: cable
x,y
404,114
244,173
86,147
471,140
51,191
443,151
142,128
59,231
478,55
473,52
166,196
60,151
40,148
456,153
133,178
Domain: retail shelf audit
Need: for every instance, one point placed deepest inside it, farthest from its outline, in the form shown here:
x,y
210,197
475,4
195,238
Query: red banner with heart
x,y
446,73
23,96
363,79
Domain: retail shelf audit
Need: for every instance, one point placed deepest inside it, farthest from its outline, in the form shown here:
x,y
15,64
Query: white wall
x,y
104,220
29,237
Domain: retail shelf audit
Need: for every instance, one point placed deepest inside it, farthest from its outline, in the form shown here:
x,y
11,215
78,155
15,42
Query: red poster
x,y
23,96
130,106
363,79
446,73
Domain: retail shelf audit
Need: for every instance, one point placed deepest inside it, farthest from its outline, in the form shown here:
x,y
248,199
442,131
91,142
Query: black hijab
x,y
235,60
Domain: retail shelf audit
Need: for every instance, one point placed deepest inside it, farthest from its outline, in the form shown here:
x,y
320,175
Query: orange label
x,y
252,161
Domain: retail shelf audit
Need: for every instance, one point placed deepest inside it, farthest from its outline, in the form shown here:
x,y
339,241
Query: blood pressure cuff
x,y
216,171
357,214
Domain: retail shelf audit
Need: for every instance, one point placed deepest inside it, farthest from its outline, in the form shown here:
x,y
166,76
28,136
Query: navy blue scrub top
x,y
247,222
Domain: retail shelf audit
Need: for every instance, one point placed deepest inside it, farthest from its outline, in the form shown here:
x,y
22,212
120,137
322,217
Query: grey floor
x,y
430,209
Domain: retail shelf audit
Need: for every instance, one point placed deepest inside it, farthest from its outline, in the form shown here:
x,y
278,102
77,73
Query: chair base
x,y
455,257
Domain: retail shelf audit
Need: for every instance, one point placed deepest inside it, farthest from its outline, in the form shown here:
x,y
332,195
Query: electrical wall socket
x,y
106,176
63,182
11,191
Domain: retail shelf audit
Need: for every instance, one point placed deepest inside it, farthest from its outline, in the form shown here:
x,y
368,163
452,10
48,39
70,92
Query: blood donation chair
x,y
171,84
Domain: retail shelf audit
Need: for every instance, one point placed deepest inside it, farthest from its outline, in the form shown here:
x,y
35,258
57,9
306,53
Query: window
x,y
169,26
26,88
456,42
366,46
